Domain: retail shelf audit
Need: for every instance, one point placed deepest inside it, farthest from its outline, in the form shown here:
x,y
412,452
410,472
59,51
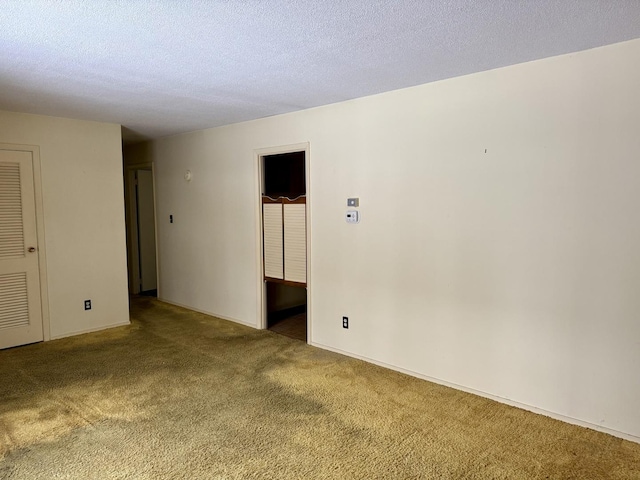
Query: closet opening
x,y
284,242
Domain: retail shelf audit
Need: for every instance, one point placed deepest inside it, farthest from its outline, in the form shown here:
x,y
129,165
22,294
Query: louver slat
x,y
295,243
11,223
273,256
13,312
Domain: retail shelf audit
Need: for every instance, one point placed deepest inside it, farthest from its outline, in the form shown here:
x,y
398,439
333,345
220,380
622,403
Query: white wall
x,y
146,230
283,297
500,237
83,215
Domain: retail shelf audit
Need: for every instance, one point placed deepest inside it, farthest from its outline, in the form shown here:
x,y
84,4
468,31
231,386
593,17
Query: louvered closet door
x,y
295,242
20,314
272,237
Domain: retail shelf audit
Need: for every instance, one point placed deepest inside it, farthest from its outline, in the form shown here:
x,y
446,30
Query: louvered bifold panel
x,y
14,305
11,227
272,224
295,242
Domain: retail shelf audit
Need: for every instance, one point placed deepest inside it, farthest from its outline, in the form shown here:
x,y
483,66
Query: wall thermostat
x,y
352,216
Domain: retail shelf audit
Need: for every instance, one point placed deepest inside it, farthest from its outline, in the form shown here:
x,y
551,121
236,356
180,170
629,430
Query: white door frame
x,y
133,255
39,204
261,286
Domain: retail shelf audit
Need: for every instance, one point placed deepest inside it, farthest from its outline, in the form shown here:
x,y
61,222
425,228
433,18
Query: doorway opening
x,y
284,242
141,231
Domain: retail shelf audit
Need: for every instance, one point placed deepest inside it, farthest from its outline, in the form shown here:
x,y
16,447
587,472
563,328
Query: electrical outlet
x,y
345,322
87,304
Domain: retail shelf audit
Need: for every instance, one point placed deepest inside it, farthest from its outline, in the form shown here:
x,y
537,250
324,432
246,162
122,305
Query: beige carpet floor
x,y
180,395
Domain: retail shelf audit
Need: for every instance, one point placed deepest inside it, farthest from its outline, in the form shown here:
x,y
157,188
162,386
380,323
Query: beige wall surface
x,y
498,247
83,218
137,154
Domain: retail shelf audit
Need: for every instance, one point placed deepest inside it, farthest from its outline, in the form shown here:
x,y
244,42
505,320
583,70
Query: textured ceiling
x,y
167,66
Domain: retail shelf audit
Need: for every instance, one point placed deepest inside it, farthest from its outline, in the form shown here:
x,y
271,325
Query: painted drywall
x,y
137,154
282,297
146,230
498,242
83,206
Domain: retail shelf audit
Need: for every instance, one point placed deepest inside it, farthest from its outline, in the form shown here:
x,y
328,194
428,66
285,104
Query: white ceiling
x,y
160,67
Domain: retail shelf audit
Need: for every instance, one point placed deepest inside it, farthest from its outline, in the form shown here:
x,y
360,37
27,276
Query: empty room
x,y
291,239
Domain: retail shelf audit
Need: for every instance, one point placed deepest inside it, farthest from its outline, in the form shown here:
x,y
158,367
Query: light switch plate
x,y
353,202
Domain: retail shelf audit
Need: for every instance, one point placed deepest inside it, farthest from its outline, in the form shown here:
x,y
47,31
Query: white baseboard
x,y
524,406
212,314
89,330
